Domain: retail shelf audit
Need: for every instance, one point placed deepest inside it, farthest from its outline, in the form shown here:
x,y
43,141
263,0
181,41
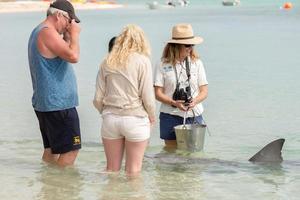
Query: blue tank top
x,y
53,80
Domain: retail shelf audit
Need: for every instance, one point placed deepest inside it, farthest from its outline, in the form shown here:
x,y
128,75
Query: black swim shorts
x,y
60,130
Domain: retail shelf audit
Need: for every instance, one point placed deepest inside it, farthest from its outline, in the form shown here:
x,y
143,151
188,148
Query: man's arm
x,y
51,44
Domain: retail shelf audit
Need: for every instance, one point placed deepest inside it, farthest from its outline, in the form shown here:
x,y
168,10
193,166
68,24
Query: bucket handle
x,y
194,121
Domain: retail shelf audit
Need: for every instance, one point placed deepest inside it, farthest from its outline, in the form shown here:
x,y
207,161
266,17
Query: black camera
x,y
183,94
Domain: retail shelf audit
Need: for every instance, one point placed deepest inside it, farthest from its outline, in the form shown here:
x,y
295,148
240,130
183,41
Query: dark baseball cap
x,y
66,6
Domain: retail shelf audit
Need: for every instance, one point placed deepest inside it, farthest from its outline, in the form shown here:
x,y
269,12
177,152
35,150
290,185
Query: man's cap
x,y
66,6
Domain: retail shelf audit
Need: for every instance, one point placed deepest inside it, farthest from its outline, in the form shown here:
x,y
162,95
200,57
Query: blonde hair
x,y
132,39
171,53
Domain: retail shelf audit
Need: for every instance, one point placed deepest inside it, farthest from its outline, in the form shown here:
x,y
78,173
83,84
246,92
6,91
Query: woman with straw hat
x,y
180,82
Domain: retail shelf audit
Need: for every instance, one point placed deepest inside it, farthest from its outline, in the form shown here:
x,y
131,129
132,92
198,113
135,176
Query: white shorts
x,y
132,128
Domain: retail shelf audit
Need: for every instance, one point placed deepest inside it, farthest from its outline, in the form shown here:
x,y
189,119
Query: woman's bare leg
x,y
134,156
114,150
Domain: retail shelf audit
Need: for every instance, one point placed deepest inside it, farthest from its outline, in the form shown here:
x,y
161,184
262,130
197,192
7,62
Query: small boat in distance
x,y
177,3
153,5
231,3
169,4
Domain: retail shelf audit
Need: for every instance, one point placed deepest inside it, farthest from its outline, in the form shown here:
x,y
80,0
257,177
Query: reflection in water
x,y
120,187
177,179
270,173
57,183
181,176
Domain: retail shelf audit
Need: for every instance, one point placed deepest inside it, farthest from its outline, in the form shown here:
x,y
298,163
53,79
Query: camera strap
x,y
176,75
187,68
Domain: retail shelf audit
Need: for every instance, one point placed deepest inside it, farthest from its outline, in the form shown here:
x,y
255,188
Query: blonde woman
x,y
125,98
180,82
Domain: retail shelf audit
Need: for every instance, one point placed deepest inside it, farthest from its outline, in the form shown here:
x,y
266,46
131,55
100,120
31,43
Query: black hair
x,y
111,43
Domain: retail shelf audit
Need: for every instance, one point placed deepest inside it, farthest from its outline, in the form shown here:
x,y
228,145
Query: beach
x,y
29,6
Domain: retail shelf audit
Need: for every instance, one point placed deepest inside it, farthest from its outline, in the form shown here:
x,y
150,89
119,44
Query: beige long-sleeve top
x,y
126,90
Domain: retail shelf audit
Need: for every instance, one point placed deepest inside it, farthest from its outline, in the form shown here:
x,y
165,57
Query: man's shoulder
x,y
47,33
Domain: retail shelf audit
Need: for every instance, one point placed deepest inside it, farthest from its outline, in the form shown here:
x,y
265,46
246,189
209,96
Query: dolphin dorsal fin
x,y
270,153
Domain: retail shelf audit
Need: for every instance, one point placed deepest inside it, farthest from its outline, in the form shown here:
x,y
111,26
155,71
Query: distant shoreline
x,y
30,6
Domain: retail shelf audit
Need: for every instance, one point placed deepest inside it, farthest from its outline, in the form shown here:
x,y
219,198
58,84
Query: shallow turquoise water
x,y
251,58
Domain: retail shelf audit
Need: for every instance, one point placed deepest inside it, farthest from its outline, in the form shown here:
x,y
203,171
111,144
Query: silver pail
x,y
190,136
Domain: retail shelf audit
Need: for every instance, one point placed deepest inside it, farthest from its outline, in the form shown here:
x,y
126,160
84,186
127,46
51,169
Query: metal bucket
x,y
190,136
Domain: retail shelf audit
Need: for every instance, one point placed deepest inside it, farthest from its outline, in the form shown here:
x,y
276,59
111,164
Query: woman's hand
x,y
151,120
191,104
180,105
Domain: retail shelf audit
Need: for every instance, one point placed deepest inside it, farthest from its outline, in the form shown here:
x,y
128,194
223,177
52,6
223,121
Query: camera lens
x,y
188,94
188,89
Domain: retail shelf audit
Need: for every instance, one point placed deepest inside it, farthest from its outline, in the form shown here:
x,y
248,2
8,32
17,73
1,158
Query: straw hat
x,y
184,34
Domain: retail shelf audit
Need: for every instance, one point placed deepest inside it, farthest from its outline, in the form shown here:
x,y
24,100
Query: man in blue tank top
x,y
52,46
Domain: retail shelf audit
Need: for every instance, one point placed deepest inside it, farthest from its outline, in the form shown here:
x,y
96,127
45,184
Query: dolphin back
x,y
270,153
